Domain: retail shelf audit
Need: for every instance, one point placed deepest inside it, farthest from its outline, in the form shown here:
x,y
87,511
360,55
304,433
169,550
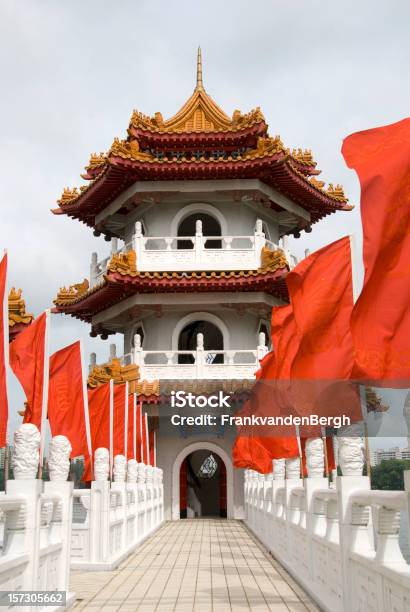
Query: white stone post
x,y
138,245
142,506
259,242
93,269
22,526
199,244
199,356
61,520
100,508
113,351
119,485
351,462
137,356
262,348
93,361
114,245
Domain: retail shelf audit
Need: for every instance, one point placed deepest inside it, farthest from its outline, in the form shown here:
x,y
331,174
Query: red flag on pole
x,y
140,448
68,401
381,317
4,352
132,424
99,414
145,440
29,361
120,411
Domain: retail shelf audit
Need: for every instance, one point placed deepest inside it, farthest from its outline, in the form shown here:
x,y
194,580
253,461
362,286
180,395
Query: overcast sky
x,y
72,72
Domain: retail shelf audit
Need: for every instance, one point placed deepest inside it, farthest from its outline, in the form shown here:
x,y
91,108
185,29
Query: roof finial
x,y
199,83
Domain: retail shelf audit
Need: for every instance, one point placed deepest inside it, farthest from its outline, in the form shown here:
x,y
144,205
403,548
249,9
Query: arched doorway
x,y
213,341
224,489
210,227
202,485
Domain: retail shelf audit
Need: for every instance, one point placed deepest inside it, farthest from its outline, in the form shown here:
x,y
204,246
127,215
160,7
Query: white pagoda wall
x,y
242,329
239,219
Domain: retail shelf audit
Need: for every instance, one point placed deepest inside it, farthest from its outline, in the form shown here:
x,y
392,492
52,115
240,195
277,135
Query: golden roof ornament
x,y
124,263
68,196
199,82
67,295
273,260
336,193
100,374
17,309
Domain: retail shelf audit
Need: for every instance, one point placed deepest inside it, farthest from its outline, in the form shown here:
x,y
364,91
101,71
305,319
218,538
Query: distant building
x,y
381,454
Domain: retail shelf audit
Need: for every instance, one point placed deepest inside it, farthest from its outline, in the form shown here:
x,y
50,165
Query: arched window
x,y
210,227
213,341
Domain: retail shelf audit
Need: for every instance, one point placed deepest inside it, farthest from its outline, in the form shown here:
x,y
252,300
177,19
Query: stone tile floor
x,y
199,565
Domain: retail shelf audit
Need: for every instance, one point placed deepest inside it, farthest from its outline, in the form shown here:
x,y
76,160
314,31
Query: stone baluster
x,y
93,361
100,507
137,356
262,348
199,356
113,351
315,458
22,523
120,465
101,464
199,243
114,245
359,529
61,512
351,450
93,269
387,526
138,244
315,462
132,471
259,242
293,479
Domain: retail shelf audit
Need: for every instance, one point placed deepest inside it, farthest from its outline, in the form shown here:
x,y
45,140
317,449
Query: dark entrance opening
x,y
213,341
210,227
202,488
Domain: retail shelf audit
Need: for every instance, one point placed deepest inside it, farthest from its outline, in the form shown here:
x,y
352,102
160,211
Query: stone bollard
x,y
61,512
22,525
100,508
132,471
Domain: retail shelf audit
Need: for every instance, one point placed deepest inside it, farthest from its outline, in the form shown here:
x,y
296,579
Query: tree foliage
x,y
388,475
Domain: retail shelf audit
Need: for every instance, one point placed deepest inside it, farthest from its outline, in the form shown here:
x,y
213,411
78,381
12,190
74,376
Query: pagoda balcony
x,y
197,364
193,253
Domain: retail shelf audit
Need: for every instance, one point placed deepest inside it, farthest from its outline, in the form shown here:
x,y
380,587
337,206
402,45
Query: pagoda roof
x,y
199,142
124,280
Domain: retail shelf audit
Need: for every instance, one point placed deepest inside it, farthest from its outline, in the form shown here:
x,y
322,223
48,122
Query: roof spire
x,y
199,83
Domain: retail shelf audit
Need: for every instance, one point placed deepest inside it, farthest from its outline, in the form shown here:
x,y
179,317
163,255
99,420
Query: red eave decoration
x,y
117,288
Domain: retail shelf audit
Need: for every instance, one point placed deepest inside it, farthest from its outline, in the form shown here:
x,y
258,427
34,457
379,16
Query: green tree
x,y
388,475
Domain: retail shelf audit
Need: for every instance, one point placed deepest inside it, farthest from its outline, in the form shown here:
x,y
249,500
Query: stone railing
x,y
198,364
35,553
111,519
341,544
192,253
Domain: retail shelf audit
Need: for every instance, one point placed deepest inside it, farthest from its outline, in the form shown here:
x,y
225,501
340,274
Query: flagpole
x,y
111,442
86,410
141,428
147,439
155,448
323,432
6,363
126,422
45,394
362,389
135,425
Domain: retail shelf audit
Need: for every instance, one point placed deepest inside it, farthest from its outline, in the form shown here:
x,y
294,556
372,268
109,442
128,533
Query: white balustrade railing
x,y
35,553
111,519
192,253
198,364
341,544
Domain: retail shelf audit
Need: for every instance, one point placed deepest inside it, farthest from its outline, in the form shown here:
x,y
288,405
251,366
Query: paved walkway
x,y
202,565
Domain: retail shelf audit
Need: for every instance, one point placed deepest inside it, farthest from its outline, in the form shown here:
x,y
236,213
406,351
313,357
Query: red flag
x,y
247,452
120,407
4,327
381,316
99,413
29,362
67,406
321,294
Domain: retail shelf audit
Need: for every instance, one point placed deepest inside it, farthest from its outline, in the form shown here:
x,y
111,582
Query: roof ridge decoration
x,y
100,374
17,308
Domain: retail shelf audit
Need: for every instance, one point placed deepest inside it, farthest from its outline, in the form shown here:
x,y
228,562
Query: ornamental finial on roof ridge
x,y
199,82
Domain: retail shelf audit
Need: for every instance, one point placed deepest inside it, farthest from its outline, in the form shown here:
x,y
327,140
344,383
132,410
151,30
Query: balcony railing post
x,y
113,351
137,356
114,245
199,356
258,242
137,241
262,348
93,269
199,242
